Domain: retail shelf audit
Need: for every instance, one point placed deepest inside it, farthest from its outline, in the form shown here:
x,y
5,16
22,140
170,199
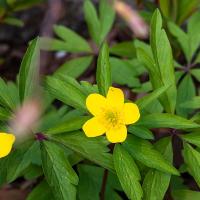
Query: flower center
x,y
111,118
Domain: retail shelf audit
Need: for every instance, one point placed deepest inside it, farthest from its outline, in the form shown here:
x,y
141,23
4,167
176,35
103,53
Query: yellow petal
x,y
115,97
118,134
96,103
93,128
6,142
131,113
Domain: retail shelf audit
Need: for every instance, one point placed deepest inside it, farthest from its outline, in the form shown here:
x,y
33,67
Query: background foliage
x,y
160,158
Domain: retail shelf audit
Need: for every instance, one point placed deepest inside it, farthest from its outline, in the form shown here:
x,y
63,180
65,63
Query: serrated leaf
x,y
144,152
120,69
51,44
94,149
156,183
29,71
9,97
28,156
162,54
103,74
127,172
73,41
165,120
67,90
75,67
58,171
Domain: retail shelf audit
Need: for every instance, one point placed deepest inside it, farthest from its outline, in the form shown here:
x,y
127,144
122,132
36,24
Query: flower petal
x,y
95,103
131,113
6,142
115,97
93,128
116,135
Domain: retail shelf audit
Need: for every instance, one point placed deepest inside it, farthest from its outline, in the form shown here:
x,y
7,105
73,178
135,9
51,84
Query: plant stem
x,y
103,186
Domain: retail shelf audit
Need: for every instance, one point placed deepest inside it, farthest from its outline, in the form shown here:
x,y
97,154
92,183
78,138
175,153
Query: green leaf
x,y
185,9
193,138
144,152
106,16
156,183
124,49
165,8
192,160
13,165
67,90
186,91
92,20
29,71
28,156
8,95
24,4
51,44
194,103
196,73
165,120
68,125
182,38
4,114
94,149
162,54
13,21
41,192
193,32
89,88
58,171
32,172
120,69
73,41
149,98
90,183
144,88
141,132
103,75
75,67
127,172
185,194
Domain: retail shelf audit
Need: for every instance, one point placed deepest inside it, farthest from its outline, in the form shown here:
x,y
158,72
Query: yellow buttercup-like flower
x,y
6,142
111,115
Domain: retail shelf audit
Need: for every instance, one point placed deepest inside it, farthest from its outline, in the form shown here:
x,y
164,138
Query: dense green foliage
x,y
67,164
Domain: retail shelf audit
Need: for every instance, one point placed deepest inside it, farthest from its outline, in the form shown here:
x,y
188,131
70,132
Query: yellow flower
x,y
6,142
111,115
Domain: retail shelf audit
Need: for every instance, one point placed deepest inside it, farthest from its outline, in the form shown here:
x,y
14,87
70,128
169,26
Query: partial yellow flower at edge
x,y
111,115
6,143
